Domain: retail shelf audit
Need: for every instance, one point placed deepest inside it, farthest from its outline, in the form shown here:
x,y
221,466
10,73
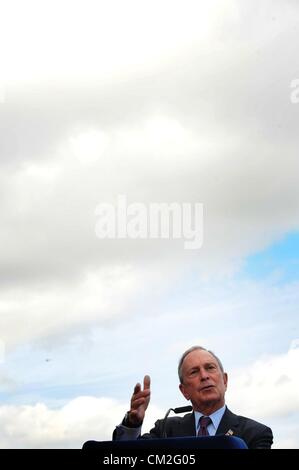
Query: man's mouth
x,y
207,387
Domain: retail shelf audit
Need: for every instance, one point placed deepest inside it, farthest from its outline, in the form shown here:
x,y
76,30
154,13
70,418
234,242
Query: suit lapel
x,y
228,424
186,426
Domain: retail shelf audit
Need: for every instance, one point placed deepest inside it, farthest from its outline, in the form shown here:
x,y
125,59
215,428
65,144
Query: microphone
x,y
181,409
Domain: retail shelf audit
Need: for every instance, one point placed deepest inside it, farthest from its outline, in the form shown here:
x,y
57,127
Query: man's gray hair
x,y
188,351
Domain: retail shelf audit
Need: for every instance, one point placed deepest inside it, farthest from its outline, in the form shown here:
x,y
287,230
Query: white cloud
x,y
50,310
84,418
89,146
113,36
291,442
267,388
69,427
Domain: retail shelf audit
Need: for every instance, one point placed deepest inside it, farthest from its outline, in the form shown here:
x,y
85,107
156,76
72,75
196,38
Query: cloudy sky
x,y
157,102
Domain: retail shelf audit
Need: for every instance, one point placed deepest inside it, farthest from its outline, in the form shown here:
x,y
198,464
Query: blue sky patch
x,y
279,261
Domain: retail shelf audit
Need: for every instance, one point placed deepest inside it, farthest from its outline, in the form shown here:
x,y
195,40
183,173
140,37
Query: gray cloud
x,y
211,122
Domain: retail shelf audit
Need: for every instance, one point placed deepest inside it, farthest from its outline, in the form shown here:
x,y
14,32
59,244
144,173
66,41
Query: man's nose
x,y
204,374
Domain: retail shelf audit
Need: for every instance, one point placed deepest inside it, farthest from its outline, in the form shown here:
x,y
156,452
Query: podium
x,y
219,441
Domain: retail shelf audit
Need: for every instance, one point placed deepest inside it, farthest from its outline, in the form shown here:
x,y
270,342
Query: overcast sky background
x,y
160,101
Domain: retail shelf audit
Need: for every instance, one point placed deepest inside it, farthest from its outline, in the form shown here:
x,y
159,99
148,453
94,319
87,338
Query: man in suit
x,y
203,382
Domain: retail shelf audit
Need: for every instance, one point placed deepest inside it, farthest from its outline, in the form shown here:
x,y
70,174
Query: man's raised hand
x,y
139,402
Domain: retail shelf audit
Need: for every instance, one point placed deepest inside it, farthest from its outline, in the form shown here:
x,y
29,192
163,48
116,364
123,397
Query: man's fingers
x,y
143,394
140,396
137,388
138,402
146,382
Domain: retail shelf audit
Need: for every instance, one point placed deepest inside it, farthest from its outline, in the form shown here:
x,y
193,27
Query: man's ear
x,y
184,392
225,379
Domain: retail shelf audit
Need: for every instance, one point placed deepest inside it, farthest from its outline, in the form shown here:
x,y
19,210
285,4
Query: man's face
x,y
204,384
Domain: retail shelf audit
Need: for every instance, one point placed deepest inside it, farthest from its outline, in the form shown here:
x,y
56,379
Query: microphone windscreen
x,y
183,409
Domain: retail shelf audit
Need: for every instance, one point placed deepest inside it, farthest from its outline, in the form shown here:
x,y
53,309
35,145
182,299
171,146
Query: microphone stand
x,y
181,409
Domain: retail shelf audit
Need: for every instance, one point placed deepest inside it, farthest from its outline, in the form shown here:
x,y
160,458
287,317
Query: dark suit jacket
x,y
256,435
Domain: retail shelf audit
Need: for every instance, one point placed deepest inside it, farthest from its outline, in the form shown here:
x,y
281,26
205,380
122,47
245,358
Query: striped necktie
x,y
204,422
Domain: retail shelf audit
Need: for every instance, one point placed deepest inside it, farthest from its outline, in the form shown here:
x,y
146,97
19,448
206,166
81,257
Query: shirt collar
x,y
215,417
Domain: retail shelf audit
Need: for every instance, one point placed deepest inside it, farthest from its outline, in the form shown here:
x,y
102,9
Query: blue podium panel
x,y
207,442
